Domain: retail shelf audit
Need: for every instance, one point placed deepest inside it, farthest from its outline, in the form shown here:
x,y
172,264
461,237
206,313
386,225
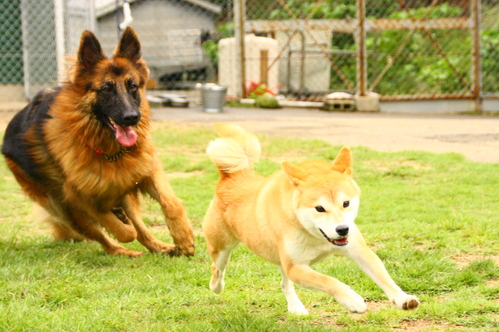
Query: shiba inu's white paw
x,y
217,285
297,309
352,301
406,302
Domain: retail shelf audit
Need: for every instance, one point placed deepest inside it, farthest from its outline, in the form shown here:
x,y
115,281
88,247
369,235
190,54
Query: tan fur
x,y
82,191
280,218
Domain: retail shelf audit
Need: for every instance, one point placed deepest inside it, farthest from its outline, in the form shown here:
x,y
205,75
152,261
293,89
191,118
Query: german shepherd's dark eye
x,y
132,86
346,204
320,209
106,88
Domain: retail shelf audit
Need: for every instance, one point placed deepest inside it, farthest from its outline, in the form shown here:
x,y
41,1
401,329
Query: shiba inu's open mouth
x,y
340,242
124,134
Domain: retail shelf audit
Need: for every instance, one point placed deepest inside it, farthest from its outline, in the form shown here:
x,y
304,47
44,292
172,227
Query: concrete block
x,y
367,103
339,101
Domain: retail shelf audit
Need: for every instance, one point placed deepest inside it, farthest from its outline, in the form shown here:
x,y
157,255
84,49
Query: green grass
x,y
433,220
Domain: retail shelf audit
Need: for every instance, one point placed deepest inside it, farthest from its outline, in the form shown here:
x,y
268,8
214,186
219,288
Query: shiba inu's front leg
x,y
370,263
295,306
304,276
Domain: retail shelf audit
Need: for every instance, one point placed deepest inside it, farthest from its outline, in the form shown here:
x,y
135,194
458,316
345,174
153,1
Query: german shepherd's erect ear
x,y
129,46
90,51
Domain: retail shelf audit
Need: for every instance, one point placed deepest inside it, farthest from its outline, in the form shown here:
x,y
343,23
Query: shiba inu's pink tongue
x,y
125,135
340,242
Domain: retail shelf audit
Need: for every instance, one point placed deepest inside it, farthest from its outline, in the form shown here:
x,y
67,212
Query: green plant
x,y
210,46
431,218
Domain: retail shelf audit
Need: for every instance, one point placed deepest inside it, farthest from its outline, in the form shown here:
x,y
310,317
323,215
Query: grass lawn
x,y
433,220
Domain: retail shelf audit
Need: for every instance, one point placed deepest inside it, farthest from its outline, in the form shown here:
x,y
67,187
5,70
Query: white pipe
x,y
127,16
59,39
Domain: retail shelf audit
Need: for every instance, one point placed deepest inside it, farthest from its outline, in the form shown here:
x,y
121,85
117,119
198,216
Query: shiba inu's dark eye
x,y
346,204
320,209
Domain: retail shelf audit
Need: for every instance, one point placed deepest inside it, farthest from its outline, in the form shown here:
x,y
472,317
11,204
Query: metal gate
x,y
403,49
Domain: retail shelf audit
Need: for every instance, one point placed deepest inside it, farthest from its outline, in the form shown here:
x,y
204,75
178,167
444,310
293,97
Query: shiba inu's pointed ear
x,y
343,161
129,46
90,51
294,173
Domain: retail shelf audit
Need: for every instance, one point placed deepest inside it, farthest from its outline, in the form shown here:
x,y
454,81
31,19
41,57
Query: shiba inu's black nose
x,y
342,230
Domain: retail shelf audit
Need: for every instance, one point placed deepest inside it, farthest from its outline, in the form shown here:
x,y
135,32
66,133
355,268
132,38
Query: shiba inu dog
x,y
294,218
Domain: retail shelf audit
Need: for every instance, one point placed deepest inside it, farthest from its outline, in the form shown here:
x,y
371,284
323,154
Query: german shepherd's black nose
x,y
342,230
131,118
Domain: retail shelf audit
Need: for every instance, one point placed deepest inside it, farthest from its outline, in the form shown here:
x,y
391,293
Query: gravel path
x,y
476,137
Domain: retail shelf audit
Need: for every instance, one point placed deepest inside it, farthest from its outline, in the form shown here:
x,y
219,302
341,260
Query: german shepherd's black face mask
x,y
117,83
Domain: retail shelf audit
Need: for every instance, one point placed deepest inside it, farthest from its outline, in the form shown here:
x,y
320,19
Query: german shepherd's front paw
x,y
122,251
406,302
174,251
351,301
187,249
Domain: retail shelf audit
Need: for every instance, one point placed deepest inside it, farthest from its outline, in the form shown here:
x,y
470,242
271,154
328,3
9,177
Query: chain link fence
x,y
490,48
414,49
303,49
35,38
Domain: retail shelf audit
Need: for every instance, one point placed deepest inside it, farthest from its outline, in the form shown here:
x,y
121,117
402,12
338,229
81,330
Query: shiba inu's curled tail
x,y
235,150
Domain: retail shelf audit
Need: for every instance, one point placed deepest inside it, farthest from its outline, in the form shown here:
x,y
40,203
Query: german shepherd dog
x,y
84,152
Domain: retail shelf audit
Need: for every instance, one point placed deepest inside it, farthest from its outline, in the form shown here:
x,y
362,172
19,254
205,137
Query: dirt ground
x,y
476,137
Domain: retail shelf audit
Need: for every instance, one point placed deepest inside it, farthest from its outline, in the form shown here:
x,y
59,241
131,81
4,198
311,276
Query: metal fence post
x,y
59,40
239,18
475,54
26,69
361,48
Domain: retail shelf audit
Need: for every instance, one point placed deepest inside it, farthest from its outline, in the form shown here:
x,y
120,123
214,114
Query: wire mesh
x,y
304,49
490,47
172,34
36,36
416,49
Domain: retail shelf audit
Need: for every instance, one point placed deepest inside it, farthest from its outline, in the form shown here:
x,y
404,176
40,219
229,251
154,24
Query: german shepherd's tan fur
x,y
84,152
294,218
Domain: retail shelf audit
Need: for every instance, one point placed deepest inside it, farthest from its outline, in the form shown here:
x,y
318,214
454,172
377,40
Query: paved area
x,y
476,137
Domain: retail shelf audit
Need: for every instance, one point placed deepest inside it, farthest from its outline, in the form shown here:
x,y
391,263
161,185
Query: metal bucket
x,y
213,97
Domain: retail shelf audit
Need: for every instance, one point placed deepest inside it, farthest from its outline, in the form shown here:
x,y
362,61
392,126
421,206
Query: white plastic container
x,y
253,45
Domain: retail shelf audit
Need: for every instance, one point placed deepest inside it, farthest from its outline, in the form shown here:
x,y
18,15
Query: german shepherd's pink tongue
x,y
125,135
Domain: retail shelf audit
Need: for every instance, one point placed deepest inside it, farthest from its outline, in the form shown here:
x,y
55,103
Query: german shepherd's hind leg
x,y
63,232
295,306
45,209
144,236
176,218
60,230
